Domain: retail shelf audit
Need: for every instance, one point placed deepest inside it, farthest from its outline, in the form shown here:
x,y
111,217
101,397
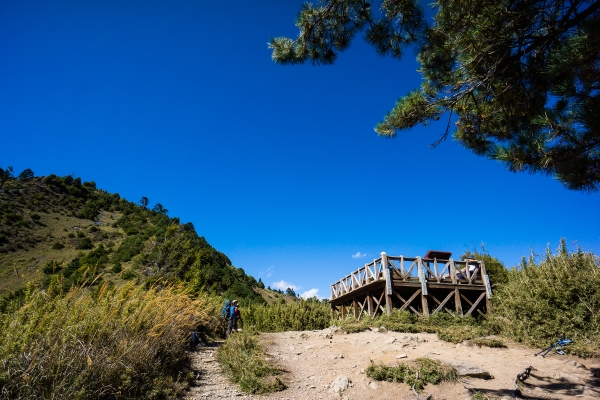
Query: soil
x,y
312,360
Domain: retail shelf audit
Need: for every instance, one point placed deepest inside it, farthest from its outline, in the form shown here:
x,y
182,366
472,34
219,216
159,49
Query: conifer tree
x,y
522,77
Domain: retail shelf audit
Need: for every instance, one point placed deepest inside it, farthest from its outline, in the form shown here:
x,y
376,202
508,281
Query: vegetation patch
x,y
310,314
113,342
245,362
418,376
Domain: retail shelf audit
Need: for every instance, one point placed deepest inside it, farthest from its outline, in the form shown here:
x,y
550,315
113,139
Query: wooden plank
x,y
443,303
370,304
355,307
488,287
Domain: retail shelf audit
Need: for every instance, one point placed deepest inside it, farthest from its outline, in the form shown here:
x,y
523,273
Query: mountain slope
x,y
64,230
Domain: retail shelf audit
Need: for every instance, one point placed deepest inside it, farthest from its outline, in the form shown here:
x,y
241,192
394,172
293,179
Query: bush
x,y
58,246
85,244
559,296
120,342
426,371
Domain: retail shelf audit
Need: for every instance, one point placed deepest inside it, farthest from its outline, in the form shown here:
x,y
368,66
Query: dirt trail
x,y
314,359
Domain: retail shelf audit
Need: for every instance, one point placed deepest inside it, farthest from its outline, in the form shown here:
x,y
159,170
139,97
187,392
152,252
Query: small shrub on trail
x,y
244,362
426,371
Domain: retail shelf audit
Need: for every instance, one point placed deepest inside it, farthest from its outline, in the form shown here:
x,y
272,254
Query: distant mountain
x,y
63,229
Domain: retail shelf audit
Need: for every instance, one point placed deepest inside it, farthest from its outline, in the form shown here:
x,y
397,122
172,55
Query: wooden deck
x,y
415,284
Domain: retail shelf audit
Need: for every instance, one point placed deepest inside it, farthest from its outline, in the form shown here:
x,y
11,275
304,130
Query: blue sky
x,y
277,167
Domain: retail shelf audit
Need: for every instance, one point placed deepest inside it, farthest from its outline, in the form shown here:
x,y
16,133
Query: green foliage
x,y
426,371
287,316
487,342
119,342
558,296
85,244
522,83
244,362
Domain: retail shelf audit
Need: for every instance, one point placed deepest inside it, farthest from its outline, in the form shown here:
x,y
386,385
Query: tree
x,y
26,175
144,202
5,174
160,209
290,292
521,76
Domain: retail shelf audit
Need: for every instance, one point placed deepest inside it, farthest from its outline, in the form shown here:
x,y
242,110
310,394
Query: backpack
x,y
226,310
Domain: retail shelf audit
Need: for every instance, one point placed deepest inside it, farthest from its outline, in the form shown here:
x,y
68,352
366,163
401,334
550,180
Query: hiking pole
x,y
559,347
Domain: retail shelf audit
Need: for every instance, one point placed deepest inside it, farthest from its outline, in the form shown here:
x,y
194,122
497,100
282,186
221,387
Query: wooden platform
x,y
423,286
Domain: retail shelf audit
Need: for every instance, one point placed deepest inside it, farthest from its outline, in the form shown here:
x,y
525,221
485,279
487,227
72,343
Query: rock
x,y
373,385
469,369
340,383
383,329
390,340
374,329
577,365
399,356
329,336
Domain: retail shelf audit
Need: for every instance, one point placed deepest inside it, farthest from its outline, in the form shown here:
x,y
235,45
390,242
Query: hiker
x,y
234,316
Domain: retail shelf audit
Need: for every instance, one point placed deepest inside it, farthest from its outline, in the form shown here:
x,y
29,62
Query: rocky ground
x,y
319,363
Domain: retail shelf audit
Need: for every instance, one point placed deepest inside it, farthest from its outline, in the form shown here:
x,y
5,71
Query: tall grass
x,y
116,342
559,296
244,362
294,316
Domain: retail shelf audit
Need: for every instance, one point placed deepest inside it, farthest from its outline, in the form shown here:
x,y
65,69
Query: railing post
x,y
388,283
423,279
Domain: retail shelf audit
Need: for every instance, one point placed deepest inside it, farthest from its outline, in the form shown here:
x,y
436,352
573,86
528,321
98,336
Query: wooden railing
x,y
412,269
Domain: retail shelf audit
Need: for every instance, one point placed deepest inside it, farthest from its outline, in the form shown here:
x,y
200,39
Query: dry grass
x,y
115,342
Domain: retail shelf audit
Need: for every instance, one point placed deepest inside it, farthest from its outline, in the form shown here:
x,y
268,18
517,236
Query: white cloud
x,y
359,255
311,293
283,285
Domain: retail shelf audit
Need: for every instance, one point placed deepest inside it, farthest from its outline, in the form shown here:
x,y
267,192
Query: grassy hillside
x,y
62,229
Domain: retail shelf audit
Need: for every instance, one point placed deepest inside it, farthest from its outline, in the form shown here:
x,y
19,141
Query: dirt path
x,y
314,359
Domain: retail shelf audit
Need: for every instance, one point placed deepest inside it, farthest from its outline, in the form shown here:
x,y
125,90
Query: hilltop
x,y
64,230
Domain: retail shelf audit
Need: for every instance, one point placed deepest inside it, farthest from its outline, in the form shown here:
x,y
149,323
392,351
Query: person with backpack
x,y
233,315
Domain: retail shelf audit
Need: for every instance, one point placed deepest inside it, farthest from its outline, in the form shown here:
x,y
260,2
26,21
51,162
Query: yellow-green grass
x,y
114,342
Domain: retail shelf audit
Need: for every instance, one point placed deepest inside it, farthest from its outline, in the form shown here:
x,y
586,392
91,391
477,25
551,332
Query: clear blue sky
x,y
277,167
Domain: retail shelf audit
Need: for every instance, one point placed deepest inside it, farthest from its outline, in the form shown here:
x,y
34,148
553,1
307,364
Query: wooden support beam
x,y
370,304
355,306
424,305
442,304
457,303
407,302
473,305
343,312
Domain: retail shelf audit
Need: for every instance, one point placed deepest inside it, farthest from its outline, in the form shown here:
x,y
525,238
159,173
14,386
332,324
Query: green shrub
x,y
244,362
85,244
559,296
426,371
58,246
